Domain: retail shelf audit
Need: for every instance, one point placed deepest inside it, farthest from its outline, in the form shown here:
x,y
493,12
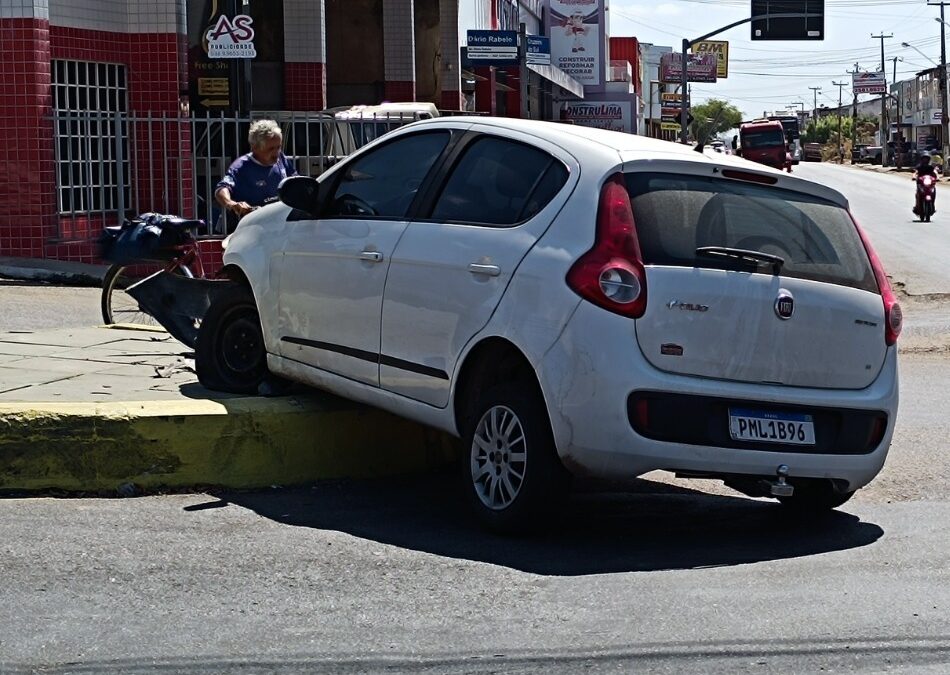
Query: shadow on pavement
x,y
646,526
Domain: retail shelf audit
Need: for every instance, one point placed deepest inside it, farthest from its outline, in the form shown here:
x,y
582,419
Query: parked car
x,y
811,152
574,301
872,154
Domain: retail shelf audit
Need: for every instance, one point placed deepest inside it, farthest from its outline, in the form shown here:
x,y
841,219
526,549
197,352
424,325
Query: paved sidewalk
x,y
117,408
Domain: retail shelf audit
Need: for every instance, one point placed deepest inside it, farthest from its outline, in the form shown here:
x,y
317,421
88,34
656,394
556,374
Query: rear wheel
x,y
512,473
118,307
229,354
814,497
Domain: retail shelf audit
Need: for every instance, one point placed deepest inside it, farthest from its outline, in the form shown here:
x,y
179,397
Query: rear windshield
x,y
677,214
762,139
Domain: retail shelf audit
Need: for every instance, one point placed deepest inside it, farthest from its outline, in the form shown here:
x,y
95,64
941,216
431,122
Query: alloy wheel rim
x,y
498,457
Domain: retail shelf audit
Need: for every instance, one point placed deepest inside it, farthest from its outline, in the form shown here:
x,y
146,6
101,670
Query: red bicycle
x,y
143,247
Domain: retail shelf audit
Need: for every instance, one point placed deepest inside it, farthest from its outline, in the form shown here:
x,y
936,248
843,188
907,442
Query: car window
x,y
676,214
383,182
499,182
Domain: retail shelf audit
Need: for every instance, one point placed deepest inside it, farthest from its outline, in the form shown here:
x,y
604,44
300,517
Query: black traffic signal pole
x,y
685,103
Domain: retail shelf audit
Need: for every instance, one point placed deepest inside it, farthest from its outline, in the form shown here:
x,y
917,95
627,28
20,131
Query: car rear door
x,y
815,321
451,268
334,269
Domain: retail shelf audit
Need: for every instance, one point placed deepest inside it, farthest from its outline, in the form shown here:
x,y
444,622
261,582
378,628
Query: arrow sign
x,y
210,102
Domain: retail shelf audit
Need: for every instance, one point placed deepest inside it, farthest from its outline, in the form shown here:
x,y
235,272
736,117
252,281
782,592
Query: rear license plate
x,y
771,427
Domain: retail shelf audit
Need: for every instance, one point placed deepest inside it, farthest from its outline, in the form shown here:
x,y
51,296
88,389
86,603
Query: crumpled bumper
x,y
177,302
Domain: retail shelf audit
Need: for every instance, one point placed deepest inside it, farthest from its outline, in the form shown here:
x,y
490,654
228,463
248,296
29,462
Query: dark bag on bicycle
x,y
140,239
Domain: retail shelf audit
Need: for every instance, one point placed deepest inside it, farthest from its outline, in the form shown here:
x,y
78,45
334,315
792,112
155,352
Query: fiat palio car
x,y
573,301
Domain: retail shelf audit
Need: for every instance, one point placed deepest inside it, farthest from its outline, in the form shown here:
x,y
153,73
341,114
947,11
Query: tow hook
x,y
780,488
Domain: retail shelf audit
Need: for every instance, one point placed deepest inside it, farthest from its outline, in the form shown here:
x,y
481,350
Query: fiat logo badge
x,y
784,305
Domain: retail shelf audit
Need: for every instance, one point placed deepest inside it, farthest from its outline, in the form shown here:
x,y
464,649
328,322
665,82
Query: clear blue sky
x,y
772,75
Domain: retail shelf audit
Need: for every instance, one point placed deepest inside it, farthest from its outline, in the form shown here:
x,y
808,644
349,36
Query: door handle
x,y
487,270
371,256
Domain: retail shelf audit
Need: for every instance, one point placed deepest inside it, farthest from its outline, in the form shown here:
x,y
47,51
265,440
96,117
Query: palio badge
x,y
232,38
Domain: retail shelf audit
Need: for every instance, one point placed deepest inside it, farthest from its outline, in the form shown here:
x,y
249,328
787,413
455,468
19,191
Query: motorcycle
x,y
926,197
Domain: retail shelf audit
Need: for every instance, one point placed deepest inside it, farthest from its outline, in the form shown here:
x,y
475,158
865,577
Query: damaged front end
x,y
177,302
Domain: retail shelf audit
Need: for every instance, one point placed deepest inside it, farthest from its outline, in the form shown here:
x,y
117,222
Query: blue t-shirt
x,y
252,182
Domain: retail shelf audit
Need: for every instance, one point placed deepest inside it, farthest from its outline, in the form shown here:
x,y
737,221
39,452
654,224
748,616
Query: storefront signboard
x,y
538,50
492,47
576,28
613,115
699,67
231,38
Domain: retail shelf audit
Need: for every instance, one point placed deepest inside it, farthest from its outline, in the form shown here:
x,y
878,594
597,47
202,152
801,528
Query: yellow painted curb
x,y
238,443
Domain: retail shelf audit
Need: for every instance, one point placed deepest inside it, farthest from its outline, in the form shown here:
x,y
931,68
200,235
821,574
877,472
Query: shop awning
x,y
558,77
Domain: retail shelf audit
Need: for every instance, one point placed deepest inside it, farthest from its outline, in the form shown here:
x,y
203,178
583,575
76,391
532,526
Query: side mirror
x,y
300,192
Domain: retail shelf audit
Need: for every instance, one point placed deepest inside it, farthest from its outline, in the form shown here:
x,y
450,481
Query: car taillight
x,y
611,273
893,316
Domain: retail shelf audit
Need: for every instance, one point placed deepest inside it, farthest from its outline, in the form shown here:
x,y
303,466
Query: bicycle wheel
x,y
118,307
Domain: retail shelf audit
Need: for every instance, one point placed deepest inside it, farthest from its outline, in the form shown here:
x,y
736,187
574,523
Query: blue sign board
x,y
492,47
539,50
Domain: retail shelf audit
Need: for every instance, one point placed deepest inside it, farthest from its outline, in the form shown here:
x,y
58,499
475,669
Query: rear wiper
x,y
741,254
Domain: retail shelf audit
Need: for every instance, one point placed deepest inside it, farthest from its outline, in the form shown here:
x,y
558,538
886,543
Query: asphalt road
x,y
660,575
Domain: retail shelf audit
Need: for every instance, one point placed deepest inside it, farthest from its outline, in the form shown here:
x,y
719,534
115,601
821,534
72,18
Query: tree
x,y
713,117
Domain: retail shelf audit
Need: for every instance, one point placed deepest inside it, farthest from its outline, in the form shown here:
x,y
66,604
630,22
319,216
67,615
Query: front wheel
x,y
512,472
229,354
118,307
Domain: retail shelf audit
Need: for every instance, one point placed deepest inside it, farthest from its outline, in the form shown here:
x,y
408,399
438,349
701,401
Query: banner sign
x,y
868,83
670,114
538,50
699,67
492,47
231,38
613,115
720,48
577,38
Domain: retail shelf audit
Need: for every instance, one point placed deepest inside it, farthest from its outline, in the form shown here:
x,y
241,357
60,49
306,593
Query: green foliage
x,y
825,130
726,117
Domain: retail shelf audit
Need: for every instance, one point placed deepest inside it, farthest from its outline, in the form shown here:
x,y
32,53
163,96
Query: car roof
x,y
579,140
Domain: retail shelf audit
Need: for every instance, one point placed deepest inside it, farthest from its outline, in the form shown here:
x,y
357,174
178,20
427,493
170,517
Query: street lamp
x,y
910,46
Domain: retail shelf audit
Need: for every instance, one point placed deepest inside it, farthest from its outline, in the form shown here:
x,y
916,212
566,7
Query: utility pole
x,y
943,79
883,37
854,113
814,110
840,86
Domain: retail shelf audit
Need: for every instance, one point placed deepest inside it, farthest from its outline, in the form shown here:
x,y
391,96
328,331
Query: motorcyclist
x,y
923,168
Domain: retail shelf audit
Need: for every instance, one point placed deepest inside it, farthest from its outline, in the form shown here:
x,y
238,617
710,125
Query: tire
x,y
511,471
120,308
811,498
230,354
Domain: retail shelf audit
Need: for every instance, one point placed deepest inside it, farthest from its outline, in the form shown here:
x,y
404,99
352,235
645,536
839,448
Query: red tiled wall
x,y
400,91
29,225
27,194
305,86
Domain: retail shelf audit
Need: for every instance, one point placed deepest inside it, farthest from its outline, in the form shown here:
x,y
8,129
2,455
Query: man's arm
x,y
223,197
222,192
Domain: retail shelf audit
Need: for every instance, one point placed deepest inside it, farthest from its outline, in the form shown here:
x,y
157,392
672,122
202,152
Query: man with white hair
x,y
253,178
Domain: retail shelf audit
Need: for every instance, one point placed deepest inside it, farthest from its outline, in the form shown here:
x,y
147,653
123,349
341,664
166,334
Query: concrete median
x,y
76,424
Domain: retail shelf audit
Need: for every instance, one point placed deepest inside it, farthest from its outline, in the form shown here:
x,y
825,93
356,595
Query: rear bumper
x,y
590,373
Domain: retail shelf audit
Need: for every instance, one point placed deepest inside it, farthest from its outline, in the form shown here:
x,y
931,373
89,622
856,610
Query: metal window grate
x,y
89,102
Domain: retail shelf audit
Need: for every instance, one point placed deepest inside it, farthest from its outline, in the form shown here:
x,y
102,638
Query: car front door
x,y
334,268
451,268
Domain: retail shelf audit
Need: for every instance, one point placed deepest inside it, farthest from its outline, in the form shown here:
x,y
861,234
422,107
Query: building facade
x,y
102,98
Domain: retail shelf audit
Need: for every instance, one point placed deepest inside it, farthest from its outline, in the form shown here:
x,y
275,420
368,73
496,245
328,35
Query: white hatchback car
x,y
574,301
